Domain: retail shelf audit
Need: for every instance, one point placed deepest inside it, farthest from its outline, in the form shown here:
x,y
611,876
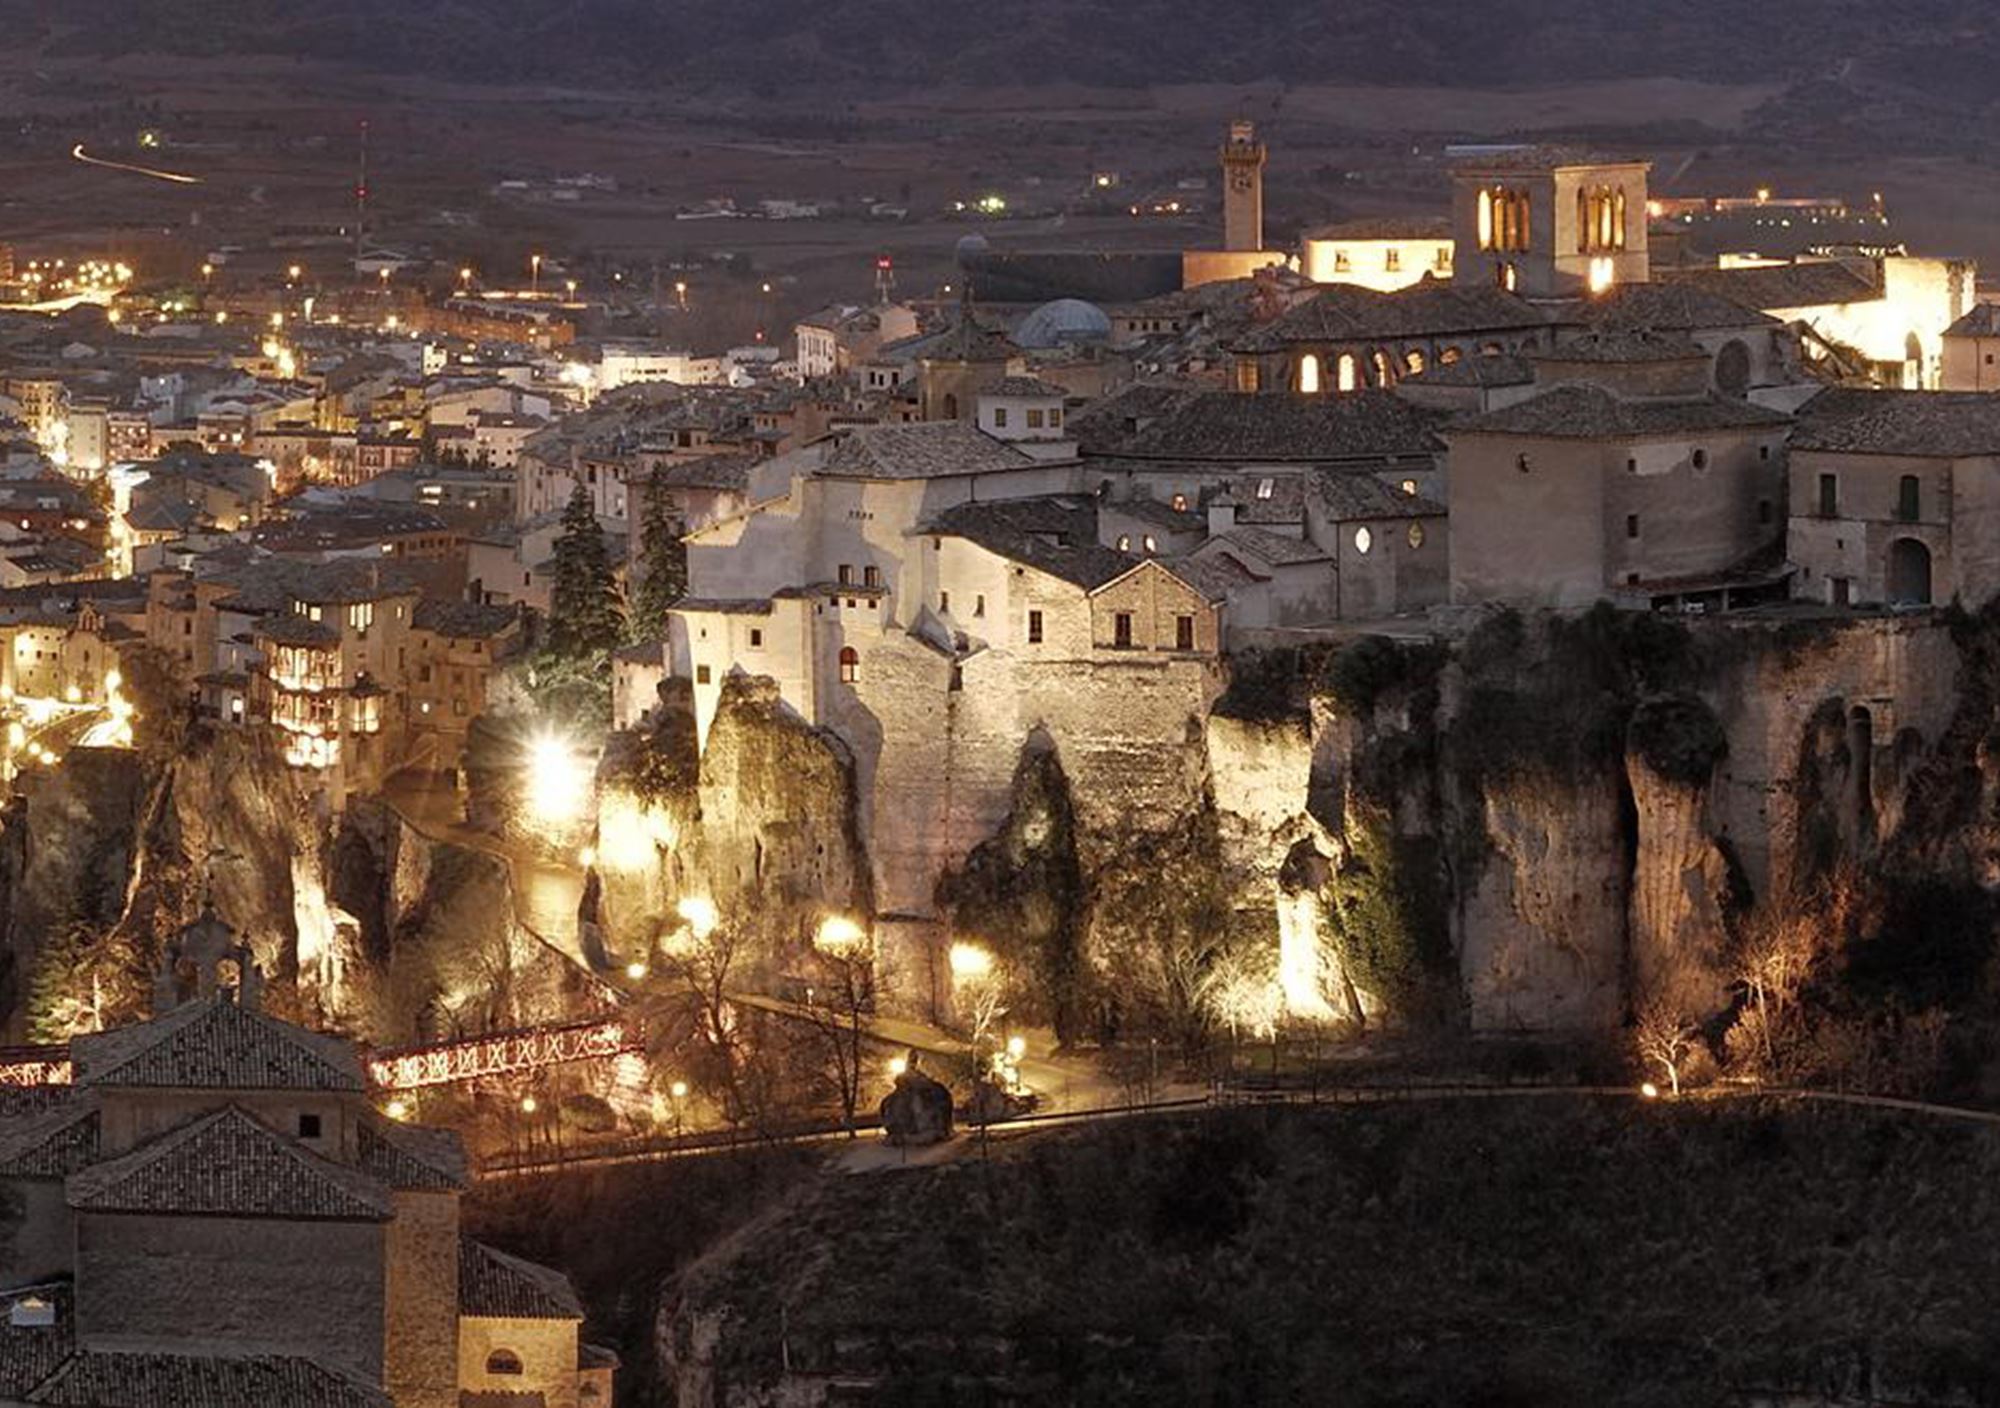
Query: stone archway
x,y
1909,577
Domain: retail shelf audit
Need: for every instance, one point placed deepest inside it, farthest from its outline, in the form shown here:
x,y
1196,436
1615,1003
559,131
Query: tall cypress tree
x,y
584,616
662,564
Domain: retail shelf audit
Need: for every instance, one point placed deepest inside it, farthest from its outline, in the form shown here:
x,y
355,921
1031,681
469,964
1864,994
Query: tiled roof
x,y
411,1157
1590,412
1270,498
1343,497
925,450
1274,548
1054,535
1390,227
725,606
52,1143
287,628
501,1398
1212,578
1938,424
217,1045
1160,515
708,472
107,1379
1809,285
1624,346
493,1285
1982,321
1501,369
1347,313
1023,386
462,619
229,1164
1663,307
1143,423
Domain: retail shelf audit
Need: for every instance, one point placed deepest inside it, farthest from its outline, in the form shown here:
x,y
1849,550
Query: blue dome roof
x,y
1062,322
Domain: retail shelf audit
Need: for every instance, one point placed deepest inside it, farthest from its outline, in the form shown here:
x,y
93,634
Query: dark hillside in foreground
x,y
1546,1252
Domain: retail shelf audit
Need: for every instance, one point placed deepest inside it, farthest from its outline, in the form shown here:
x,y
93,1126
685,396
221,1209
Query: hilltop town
x,y
1547,630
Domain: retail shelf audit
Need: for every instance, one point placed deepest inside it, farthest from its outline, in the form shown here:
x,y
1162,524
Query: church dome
x,y
1063,322
969,250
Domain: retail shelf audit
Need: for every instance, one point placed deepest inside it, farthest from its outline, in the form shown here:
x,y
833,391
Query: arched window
x,y
1413,361
1618,218
1582,221
503,1361
1909,573
1385,374
850,665
1449,356
1309,374
1348,374
1486,231
1909,499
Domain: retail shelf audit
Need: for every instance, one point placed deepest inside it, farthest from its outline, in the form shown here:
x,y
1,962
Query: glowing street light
x,y
898,1065
635,970
839,936
699,914
528,1105
465,277
1649,1090
535,273
1017,1047
293,273
397,1110
558,783
970,962
679,1090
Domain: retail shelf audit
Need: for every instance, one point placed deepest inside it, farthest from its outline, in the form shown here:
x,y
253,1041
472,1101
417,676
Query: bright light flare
x,y
1649,1090
970,961
558,782
698,912
840,936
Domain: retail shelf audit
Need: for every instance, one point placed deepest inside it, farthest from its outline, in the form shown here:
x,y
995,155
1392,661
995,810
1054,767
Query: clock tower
x,y
1243,159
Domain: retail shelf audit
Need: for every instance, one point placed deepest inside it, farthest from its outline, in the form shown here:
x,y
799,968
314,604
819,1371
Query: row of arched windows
x,y
1600,219
1503,219
1381,367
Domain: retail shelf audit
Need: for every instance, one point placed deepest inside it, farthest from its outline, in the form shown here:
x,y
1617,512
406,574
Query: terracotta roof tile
x,y
229,1164
217,1045
924,450
1590,412
494,1285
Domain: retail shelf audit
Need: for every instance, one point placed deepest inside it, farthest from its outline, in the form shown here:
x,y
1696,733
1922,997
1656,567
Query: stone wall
x,y
545,1348
420,1301
248,1285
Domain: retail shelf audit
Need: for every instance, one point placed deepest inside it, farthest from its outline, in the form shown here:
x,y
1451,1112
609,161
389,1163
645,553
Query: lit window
x,y
1416,536
1180,503
1309,374
1410,487
1266,487
850,665
1151,544
1363,539
701,674
1347,373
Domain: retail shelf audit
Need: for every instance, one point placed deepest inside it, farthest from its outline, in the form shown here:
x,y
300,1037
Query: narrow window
x,y
1908,499
1347,374
1183,633
871,576
1034,628
944,602
1829,495
1764,511
1631,525
1392,259
1000,417
979,604
701,674
850,665
846,574
309,1126
1309,374
1034,418
756,638
1055,417
1121,630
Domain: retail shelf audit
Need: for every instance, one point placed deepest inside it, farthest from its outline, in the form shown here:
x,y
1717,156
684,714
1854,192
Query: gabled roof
x,y
923,450
1158,423
229,1164
1934,424
1349,313
493,1285
1273,548
1024,386
1210,578
463,619
1982,321
51,1143
708,472
1590,412
216,1045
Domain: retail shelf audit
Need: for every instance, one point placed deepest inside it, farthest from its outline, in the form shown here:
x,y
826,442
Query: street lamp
x,y
534,273
465,278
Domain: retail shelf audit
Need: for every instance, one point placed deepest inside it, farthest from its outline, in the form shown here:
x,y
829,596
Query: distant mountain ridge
x,y
899,44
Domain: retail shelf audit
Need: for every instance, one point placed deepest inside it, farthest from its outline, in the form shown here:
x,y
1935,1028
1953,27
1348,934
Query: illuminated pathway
x,y
176,177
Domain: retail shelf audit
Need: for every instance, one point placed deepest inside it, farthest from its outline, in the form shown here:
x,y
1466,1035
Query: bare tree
x,y
693,1015
837,1007
1663,1035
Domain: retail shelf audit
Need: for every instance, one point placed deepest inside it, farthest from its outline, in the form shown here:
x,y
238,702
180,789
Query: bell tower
x,y
1243,158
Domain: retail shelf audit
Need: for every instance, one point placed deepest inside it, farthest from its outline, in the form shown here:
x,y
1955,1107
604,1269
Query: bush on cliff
x,y
1679,738
1387,918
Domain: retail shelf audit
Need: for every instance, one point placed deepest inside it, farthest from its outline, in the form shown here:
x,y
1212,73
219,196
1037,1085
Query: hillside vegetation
x,y
1546,1252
